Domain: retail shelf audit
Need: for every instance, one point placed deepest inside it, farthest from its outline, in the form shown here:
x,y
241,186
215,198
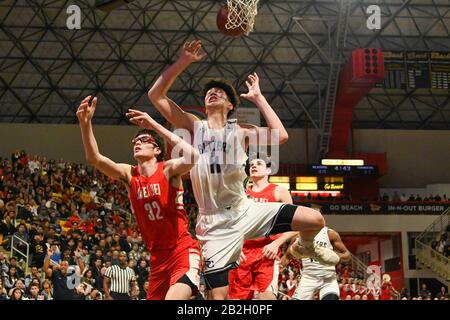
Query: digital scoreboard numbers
x,y
418,69
343,170
440,70
394,70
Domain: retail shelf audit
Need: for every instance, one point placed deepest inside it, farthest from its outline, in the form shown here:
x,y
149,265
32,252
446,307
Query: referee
x,y
118,279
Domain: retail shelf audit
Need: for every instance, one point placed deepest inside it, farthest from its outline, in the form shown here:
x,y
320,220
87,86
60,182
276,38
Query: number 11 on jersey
x,y
215,168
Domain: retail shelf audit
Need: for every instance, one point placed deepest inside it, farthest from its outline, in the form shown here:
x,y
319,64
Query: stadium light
x,y
342,162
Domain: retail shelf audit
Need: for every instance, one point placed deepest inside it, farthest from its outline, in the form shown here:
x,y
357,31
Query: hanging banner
x,y
378,208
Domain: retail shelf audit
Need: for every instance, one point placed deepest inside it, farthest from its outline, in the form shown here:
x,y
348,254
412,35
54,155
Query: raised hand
x,y
86,111
270,251
192,51
141,119
252,84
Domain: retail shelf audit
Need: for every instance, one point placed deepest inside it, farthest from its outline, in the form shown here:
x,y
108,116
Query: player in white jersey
x,y
226,217
315,276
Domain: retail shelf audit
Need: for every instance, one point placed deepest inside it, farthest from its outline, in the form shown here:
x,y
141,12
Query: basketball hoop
x,y
241,14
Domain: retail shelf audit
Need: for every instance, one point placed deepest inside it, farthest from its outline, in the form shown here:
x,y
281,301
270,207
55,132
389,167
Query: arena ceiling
x,y
46,69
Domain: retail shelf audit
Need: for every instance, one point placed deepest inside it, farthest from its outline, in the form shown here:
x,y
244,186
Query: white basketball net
x,y
241,14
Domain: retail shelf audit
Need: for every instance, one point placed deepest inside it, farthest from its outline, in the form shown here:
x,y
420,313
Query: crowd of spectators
x,y
74,211
395,198
426,294
413,198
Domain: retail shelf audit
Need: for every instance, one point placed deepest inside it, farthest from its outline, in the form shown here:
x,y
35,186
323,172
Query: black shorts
x,y
283,220
119,296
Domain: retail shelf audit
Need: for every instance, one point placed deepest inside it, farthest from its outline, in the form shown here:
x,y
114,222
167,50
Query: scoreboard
x,y
416,69
343,170
440,70
394,70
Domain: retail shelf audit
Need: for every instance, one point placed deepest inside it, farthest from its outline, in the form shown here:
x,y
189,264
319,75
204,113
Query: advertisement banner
x,y
378,207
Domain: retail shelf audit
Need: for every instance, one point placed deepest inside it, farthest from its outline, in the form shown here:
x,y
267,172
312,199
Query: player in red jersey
x,y
259,265
156,195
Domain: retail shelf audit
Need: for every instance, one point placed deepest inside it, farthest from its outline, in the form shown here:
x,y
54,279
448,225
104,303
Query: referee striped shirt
x,y
120,278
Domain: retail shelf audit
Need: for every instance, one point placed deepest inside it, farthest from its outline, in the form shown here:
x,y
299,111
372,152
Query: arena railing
x,y
436,228
361,269
429,257
16,239
434,260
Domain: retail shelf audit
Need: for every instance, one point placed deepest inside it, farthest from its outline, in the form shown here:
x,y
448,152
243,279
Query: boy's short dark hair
x,y
261,155
158,140
226,86
270,163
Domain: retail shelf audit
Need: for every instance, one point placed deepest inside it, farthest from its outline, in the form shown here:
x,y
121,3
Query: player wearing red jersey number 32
x,y
155,192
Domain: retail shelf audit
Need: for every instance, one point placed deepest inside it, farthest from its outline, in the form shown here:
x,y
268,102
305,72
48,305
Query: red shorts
x,y
258,273
169,266
291,292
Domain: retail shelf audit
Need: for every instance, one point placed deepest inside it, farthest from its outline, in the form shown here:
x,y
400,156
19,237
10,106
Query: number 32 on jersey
x,y
154,210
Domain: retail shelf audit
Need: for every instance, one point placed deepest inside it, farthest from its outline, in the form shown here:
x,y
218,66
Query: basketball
x,y
222,18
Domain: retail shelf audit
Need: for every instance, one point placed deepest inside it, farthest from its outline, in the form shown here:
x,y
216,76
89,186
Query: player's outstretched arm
x,y
339,246
270,251
284,261
118,171
191,52
255,96
178,166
